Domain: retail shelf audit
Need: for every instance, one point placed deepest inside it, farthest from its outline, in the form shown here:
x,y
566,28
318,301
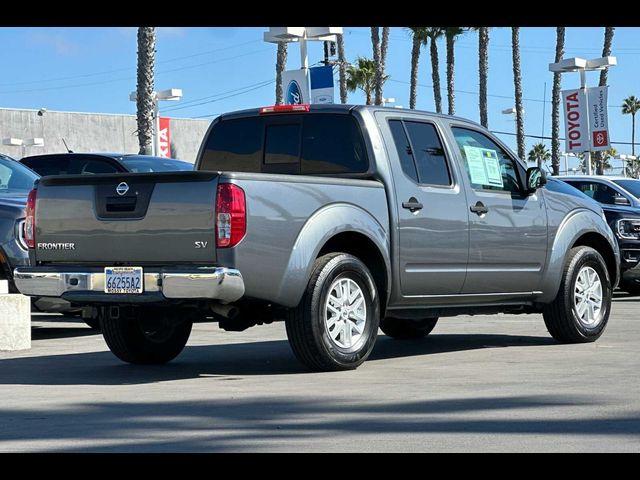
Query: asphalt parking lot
x,y
486,383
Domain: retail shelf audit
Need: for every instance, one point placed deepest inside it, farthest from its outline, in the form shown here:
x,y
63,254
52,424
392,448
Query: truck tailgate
x,y
160,218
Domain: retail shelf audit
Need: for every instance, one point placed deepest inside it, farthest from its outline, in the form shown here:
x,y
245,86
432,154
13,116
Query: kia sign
x,y
598,118
295,84
165,138
576,120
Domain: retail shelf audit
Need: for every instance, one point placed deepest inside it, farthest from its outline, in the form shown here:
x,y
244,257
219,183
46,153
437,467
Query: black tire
x,y
560,316
630,287
306,328
93,323
405,329
146,336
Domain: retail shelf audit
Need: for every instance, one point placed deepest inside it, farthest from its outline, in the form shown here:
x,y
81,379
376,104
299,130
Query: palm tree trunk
x,y
342,68
281,65
517,82
375,43
450,75
144,89
606,51
415,59
555,104
633,134
369,100
483,68
435,75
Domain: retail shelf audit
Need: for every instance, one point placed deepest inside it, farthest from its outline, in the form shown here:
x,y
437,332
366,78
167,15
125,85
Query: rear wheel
x,y
336,323
580,311
404,329
146,336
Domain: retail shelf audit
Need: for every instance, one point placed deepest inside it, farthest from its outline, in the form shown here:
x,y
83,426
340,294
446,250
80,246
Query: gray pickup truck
x,y
336,219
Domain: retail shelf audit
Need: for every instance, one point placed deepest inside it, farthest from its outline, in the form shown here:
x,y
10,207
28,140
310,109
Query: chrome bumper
x,y
216,283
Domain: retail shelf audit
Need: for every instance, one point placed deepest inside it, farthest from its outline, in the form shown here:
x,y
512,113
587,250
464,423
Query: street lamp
x,y
566,156
625,159
24,143
582,65
172,95
301,35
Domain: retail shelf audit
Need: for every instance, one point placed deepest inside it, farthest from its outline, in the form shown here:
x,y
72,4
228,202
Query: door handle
x,y
479,208
413,205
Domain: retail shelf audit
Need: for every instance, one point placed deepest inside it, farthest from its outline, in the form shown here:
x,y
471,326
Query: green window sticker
x,y
484,167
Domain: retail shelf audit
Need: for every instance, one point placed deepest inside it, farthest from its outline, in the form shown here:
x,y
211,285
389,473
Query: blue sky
x,y
223,69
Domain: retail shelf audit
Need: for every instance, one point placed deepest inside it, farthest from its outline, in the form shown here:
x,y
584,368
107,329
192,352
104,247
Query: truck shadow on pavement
x,y
225,361
325,422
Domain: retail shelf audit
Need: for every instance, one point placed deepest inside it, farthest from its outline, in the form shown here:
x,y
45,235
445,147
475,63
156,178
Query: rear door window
x,y
332,144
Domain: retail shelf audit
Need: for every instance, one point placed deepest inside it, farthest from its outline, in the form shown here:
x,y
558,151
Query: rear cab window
x,y
309,144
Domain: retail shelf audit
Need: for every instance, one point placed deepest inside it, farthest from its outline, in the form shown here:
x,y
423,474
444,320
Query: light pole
x,y
625,158
172,95
566,156
388,100
301,35
582,65
24,143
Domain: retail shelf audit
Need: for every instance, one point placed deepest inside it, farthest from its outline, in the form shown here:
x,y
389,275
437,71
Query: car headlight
x,y
628,229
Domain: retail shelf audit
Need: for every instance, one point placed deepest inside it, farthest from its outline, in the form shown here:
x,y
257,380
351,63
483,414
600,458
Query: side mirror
x,y
536,178
620,200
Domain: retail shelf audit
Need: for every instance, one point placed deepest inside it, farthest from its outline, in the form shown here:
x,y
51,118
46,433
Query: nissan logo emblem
x,y
122,188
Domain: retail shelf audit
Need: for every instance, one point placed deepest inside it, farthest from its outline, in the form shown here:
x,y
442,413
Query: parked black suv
x,y
620,200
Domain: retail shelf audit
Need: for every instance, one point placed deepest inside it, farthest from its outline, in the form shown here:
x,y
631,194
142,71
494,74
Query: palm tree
x,y
451,33
631,106
483,69
363,76
539,154
517,82
419,38
606,155
434,33
144,89
281,65
606,51
342,69
555,104
375,44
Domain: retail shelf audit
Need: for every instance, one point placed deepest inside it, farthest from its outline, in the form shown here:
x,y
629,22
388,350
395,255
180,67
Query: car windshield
x,y
155,164
631,186
15,177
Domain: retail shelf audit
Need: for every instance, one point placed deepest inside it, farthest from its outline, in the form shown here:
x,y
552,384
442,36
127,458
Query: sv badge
x,y
201,244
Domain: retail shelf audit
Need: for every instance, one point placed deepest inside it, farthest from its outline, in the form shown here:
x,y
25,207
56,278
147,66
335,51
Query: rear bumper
x,y
73,284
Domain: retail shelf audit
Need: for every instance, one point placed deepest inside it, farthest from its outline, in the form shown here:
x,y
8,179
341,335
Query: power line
x,y
105,72
132,77
542,137
245,89
537,100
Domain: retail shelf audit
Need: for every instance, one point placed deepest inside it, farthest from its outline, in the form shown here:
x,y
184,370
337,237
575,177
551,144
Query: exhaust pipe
x,y
226,311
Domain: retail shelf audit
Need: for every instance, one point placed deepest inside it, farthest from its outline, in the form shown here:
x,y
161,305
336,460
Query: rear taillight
x,y
30,220
231,215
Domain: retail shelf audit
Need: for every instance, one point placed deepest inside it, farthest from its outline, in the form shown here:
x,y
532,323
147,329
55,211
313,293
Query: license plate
x,y
123,280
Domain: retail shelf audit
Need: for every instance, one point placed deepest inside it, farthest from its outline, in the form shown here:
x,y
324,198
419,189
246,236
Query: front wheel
x,y
580,311
146,336
336,323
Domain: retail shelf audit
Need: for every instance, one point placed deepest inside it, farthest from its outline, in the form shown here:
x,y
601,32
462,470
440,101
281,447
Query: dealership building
x,y
32,132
